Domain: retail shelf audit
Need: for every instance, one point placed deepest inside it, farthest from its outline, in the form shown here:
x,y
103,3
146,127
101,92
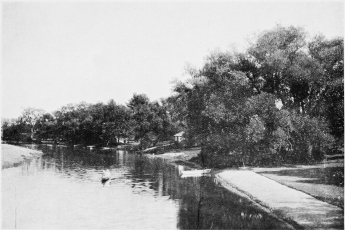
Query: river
x,y
63,189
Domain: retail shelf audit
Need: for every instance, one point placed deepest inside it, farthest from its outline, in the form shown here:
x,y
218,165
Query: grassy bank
x,y
180,156
322,181
12,156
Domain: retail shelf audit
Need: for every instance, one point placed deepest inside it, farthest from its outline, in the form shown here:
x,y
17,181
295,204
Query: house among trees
x,y
122,140
178,136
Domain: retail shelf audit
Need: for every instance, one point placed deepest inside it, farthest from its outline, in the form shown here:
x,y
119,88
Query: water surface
x,y
63,189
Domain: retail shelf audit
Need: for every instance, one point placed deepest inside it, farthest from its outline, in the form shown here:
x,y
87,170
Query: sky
x,y
56,52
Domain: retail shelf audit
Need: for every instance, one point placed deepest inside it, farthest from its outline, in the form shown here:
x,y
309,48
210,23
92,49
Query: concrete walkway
x,y
311,179
285,202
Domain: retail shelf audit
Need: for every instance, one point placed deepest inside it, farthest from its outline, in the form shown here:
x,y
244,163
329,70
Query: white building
x,y
178,137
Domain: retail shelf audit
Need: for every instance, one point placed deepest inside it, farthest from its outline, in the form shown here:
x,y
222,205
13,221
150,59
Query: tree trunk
x,y
32,133
310,149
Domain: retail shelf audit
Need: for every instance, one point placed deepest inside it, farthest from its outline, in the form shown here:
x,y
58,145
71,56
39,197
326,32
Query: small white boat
x,y
106,175
195,173
149,149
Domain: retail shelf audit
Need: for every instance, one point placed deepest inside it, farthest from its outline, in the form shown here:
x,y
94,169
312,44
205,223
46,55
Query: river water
x,y
63,189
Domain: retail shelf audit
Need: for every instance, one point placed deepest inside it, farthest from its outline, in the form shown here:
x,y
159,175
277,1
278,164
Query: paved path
x,y
310,179
286,202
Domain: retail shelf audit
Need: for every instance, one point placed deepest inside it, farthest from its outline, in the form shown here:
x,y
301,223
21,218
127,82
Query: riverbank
x,y
304,196
291,205
12,156
180,156
323,181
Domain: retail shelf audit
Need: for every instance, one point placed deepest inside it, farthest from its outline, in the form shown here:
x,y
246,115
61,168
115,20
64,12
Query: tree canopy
x,y
229,106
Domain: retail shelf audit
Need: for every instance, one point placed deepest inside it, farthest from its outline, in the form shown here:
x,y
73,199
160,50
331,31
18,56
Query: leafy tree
x,y
68,124
306,77
140,115
230,104
45,127
91,119
29,117
150,121
328,56
13,131
176,113
116,124
214,98
275,135
276,63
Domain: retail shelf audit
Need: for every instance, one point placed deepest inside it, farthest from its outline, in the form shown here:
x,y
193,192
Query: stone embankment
x,y
12,156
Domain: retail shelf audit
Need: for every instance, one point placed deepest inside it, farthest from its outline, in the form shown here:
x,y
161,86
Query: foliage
x,y
328,56
150,121
13,131
45,127
29,118
228,106
116,124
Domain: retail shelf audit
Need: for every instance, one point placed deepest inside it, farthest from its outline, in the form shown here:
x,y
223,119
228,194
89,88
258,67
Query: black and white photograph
x,y
199,114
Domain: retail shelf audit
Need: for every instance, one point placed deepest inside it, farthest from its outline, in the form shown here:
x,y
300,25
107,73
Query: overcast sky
x,y
55,53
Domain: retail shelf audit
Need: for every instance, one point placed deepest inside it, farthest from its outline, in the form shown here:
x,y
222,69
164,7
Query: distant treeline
x,y
94,124
280,101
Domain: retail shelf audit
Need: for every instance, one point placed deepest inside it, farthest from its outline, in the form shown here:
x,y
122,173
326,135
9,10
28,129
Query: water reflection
x,y
202,203
143,192
105,183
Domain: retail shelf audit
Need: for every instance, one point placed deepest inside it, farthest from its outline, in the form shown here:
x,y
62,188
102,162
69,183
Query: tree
x,y
13,130
276,61
116,124
45,127
29,117
328,56
230,104
140,116
306,77
68,122
150,121
91,119
214,99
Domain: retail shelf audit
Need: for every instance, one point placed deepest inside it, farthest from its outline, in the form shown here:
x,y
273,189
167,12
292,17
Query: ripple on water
x,y
63,190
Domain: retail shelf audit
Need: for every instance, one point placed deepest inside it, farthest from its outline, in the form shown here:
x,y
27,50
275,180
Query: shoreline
x,y
13,156
273,194
295,207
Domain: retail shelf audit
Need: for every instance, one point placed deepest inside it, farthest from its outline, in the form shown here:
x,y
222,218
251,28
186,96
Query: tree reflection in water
x,y
202,203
